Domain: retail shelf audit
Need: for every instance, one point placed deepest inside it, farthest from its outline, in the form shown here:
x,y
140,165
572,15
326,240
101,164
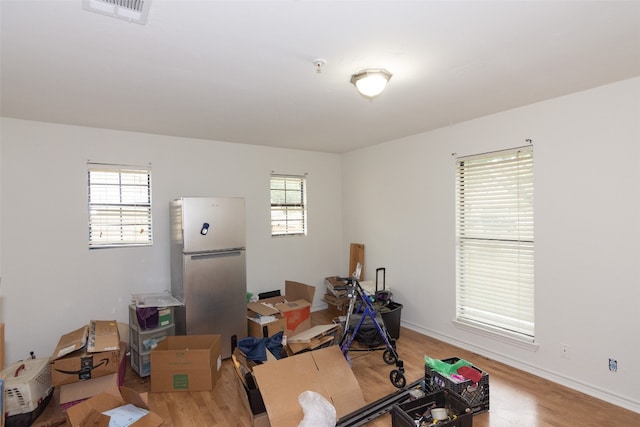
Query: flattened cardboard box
x,y
89,412
186,363
324,371
295,306
314,338
71,361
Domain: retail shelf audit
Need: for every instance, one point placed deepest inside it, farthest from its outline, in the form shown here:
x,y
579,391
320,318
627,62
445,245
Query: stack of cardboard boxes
x,y
313,363
336,299
290,313
88,361
88,366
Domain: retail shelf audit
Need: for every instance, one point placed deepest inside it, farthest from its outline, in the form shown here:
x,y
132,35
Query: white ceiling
x,y
243,71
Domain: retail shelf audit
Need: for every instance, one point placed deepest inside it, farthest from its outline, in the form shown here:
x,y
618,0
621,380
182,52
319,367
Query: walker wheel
x,y
397,378
389,357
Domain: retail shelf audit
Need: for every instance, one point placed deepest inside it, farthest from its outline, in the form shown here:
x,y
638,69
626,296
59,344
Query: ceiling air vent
x,y
130,10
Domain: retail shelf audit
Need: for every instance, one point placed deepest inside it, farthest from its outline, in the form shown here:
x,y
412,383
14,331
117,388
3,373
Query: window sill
x,y
502,336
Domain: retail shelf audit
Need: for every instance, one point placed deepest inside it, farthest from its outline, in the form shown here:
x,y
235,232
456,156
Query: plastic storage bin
x,y
145,341
391,316
141,363
406,414
142,339
158,317
476,395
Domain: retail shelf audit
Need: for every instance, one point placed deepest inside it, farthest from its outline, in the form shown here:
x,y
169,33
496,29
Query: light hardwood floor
x,y
516,397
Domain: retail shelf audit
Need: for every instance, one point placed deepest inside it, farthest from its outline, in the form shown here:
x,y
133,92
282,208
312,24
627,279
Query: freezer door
x,y
211,224
215,289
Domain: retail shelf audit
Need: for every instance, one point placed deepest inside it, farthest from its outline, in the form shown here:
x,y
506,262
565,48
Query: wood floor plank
x,y
517,398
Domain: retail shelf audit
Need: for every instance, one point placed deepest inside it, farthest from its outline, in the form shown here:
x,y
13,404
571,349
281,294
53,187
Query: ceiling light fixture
x,y
371,82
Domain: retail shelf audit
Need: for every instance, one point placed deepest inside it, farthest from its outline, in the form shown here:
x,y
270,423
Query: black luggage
x,y
383,297
368,334
385,305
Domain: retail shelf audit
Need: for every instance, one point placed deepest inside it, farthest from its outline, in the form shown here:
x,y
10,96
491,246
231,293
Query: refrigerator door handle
x,y
218,254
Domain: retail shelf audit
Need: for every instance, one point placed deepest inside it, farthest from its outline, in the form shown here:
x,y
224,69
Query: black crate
x,y
406,414
476,395
253,395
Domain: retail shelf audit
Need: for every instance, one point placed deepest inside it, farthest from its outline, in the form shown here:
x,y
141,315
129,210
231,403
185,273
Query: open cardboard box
x,y
244,371
73,393
186,363
295,306
324,371
89,413
260,329
88,352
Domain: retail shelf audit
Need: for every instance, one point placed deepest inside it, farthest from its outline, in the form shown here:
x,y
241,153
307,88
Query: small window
x,y
495,245
288,205
119,205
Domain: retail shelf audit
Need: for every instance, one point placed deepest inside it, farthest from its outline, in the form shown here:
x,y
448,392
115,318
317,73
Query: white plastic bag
x,y
318,411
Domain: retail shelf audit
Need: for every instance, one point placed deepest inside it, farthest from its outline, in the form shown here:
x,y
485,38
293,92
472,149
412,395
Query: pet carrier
x,y
27,391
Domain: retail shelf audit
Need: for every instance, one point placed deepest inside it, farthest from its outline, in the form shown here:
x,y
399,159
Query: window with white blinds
x,y
119,205
288,205
495,246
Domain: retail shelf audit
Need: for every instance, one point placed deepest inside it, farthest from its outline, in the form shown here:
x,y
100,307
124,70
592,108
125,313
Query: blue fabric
x,y
274,344
256,348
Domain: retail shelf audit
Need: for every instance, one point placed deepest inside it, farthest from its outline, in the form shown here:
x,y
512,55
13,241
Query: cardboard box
x,y
186,363
260,329
336,306
103,336
318,336
74,393
324,371
244,368
72,361
295,306
89,413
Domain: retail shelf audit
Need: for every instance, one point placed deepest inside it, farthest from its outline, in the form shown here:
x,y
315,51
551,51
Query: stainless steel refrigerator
x,y
208,268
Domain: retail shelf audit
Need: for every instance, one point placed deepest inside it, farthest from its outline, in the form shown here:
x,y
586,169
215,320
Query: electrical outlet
x,y
613,365
564,351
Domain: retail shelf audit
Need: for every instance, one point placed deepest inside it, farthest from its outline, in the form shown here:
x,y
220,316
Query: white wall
x,y
52,283
398,200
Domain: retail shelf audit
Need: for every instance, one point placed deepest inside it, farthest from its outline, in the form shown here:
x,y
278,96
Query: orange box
x,y
295,306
